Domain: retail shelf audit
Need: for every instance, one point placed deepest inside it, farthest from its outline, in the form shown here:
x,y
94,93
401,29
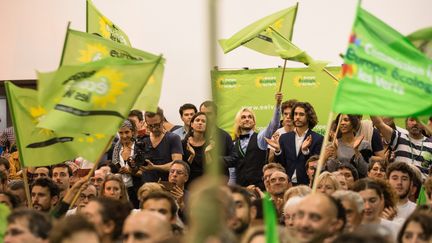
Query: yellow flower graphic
x,y
258,82
91,138
93,53
296,81
112,79
105,26
37,113
278,24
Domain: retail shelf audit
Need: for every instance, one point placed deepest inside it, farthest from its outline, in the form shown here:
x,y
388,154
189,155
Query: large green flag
x,y
287,50
384,74
422,39
40,147
257,36
94,97
100,25
270,220
82,48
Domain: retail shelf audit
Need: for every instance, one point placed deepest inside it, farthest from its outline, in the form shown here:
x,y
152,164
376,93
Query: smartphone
x,y
166,185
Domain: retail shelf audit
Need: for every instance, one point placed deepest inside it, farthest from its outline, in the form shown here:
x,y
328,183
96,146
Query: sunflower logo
x,y
258,82
91,138
93,53
105,26
37,114
109,85
278,24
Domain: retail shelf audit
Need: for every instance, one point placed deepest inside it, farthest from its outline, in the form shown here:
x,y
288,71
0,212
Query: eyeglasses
x,y
98,180
89,197
152,126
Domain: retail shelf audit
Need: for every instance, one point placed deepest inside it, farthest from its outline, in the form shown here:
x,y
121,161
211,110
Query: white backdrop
x,y
33,33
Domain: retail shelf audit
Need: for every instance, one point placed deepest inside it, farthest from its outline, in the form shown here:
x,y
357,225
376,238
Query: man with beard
x,y
61,175
318,217
44,194
296,147
244,213
412,148
400,177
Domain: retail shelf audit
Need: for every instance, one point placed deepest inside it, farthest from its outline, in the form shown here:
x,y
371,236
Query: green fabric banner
x,y
422,39
384,73
41,147
100,25
80,47
256,88
93,97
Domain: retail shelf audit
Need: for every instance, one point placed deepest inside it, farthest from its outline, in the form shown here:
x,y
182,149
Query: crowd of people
x,y
375,184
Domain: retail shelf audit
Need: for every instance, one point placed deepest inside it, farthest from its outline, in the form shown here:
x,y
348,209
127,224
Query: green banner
x,y
93,97
256,88
80,47
384,73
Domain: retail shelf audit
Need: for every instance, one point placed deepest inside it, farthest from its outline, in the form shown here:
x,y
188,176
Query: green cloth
x,y
257,36
422,200
422,39
4,212
93,97
80,47
41,147
100,25
270,220
384,73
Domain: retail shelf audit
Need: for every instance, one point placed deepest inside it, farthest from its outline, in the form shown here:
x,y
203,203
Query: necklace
x,y
412,150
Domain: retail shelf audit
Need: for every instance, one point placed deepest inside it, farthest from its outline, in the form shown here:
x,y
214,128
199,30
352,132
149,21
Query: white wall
x,y
32,34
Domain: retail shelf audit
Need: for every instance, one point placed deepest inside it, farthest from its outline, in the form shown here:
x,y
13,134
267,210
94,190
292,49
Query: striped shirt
x,y
412,151
7,135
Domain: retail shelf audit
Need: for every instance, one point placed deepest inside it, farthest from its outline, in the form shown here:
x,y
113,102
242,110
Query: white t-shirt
x,y
393,226
404,211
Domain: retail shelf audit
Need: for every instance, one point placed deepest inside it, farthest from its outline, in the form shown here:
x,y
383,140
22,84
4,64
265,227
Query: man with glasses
x,y
159,149
86,195
98,179
179,175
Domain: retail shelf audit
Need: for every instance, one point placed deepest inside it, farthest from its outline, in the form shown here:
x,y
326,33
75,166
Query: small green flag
x,y
270,220
4,213
383,74
100,25
422,200
93,97
257,35
41,147
82,48
287,50
422,39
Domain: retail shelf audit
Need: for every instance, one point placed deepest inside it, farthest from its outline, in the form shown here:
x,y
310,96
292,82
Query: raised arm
x,y
273,125
385,129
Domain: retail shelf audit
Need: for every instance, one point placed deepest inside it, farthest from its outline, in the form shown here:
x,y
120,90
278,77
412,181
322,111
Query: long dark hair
x,y
311,116
354,120
190,132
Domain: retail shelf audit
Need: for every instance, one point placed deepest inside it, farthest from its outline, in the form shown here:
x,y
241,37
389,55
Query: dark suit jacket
x,y
293,162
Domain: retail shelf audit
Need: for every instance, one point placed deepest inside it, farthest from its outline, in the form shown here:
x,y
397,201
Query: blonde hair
x,y
329,176
300,191
237,119
150,187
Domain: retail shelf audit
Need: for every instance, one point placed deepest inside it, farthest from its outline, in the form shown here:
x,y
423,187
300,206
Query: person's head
x,y
44,194
299,190
3,181
41,172
146,227
243,212
179,173
400,177
289,212
9,200
327,183
353,205
27,225
318,216
4,165
245,121
198,124
136,116
286,108
268,169
61,175
209,108
73,229
311,165
417,228
377,169
279,183
341,179
86,196
373,198
187,111
348,124
114,187
107,215
413,126
127,131
154,121
428,189
350,173
98,179
16,187
303,115
161,202
147,188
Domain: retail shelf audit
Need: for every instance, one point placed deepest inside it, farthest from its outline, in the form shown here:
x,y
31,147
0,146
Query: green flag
x,y
422,39
384,74
270,220
422,199
257,35
94,97
4,213
82,48
100,25
40,147
287,50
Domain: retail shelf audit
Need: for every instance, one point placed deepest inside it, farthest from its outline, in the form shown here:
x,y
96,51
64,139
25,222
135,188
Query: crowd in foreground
x,y
375,184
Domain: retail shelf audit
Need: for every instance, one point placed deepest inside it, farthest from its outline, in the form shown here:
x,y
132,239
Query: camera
x,y
141,153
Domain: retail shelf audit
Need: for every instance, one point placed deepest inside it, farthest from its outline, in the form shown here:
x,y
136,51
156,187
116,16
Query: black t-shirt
x,y
197,165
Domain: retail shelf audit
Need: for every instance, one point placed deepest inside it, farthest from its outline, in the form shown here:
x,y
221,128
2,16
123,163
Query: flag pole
x,y
27,187
64,44
283,74
321,157
330,74
337,130
95,165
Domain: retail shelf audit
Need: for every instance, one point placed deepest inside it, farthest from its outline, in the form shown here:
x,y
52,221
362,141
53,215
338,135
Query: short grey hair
x,y
351,196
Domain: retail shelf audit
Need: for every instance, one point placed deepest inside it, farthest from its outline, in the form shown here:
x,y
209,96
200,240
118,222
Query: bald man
x,y
146,226
318,217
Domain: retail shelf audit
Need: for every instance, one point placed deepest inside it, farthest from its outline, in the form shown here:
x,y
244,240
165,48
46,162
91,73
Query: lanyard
x,y
412,150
